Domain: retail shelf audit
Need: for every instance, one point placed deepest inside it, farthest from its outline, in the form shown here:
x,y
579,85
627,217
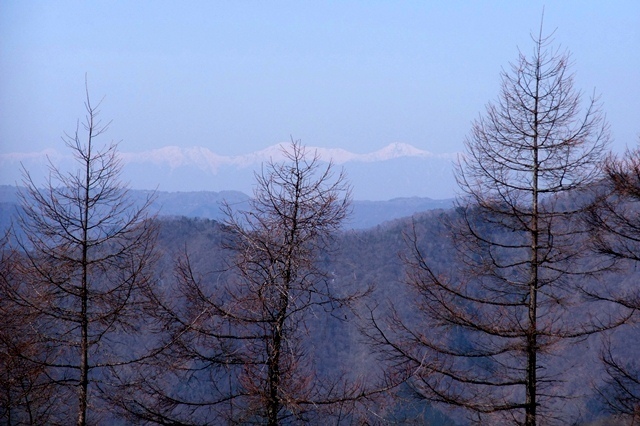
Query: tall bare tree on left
x,y
89,255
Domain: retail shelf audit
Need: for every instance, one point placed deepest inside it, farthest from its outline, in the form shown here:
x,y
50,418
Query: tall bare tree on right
x,y
491,329
616,224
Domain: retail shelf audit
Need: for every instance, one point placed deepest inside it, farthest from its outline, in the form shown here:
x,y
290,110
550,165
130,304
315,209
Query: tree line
x,y
94,331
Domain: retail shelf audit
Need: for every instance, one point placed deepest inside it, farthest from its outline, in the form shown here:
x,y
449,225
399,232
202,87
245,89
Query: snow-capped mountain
x,y
397,170
204,158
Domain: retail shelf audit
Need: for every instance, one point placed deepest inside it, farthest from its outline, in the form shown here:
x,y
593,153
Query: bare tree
x,y
25,391
240,346
615,217
615,222
493,327
88,251
295,209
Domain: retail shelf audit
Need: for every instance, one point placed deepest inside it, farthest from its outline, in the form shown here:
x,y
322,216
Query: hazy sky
x,y
236,76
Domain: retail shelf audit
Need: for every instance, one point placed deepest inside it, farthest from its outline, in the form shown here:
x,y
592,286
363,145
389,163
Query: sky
x,y
239,76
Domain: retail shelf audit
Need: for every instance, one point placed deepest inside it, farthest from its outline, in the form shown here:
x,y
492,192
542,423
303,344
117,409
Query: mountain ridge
x,y
396,170
208,205
176,156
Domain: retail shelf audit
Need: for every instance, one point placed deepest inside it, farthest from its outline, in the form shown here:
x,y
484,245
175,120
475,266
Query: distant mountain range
x,y
207,204
397,170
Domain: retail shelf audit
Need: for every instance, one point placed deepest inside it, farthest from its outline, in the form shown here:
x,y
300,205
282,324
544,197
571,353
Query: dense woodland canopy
x,y
517,306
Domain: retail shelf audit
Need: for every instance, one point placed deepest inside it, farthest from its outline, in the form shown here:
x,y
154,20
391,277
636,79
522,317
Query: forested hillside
x,y
374,257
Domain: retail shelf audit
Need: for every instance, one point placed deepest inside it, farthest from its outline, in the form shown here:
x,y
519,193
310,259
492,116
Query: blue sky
x,y
236,76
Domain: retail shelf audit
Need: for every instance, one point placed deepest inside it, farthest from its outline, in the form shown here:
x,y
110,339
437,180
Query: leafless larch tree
x,y
88,251
240,325
615,221
26,394
490,329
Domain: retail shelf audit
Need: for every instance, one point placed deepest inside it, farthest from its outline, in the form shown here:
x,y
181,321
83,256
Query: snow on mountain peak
x,y
198,168
205,159
396,150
